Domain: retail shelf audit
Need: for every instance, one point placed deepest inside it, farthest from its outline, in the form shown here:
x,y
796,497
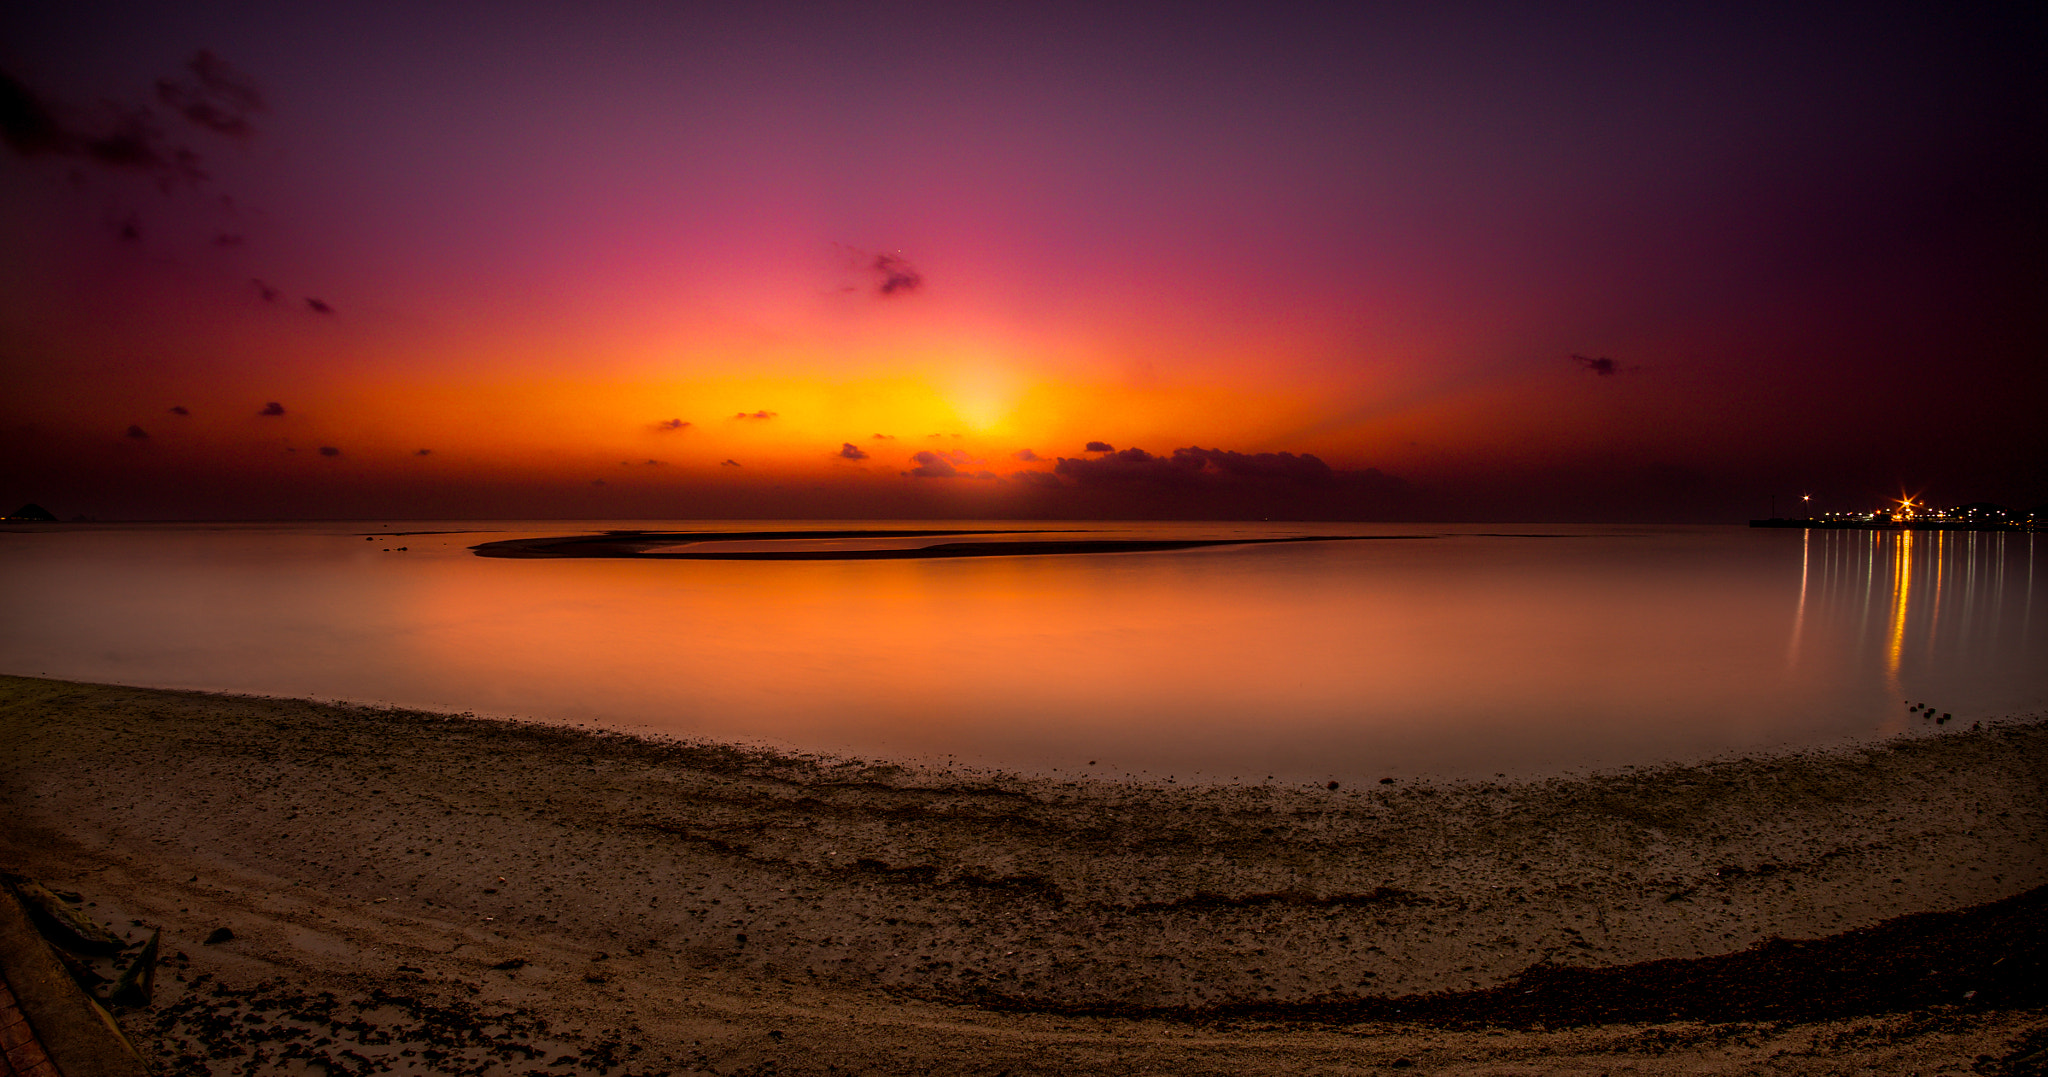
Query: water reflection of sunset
x,y
1433,650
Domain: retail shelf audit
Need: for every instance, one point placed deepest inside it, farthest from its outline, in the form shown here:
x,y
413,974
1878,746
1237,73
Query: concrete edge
x,y
78,1034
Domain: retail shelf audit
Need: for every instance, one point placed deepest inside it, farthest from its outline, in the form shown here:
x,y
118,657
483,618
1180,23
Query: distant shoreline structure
x,y
1913,514
1857,523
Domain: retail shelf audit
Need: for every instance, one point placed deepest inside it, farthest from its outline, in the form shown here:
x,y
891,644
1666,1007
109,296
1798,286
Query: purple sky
x,y
1511,261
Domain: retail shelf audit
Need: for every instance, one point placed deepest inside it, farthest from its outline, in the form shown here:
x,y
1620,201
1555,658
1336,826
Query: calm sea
x,y
1448,651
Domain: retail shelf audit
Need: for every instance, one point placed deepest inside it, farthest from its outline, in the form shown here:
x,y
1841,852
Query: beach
x,y
509,897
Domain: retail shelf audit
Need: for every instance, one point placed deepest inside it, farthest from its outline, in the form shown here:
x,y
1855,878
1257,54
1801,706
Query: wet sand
x,y
502,897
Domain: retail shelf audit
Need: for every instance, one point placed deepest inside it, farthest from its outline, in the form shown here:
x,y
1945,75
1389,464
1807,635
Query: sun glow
x,y
982,396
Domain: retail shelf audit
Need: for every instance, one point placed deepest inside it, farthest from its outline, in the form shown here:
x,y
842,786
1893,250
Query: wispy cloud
x,y
129,137
214,95
891,274
1600,365
898,277
1026,455
755,415
672,424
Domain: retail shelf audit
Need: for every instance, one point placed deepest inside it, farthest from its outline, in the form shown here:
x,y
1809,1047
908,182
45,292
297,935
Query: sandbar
x,y
684,545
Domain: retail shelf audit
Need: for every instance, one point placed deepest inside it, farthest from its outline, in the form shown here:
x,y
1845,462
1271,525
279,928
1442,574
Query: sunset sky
x,y
1469,261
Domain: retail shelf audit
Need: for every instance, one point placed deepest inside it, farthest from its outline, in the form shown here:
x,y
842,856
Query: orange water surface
x,y
1451,651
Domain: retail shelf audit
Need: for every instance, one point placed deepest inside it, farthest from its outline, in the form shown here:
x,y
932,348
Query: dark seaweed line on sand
x,y
928,875
608,546
1991,956
937,878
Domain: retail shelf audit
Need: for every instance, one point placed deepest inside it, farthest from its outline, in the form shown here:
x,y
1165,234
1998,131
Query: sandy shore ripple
x,y
486,893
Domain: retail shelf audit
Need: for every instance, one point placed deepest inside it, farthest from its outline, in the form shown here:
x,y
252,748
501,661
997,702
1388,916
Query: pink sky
x,y
1806,242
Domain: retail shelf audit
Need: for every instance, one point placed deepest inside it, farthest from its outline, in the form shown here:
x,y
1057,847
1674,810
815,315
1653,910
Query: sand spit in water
x,y
508,898
682,545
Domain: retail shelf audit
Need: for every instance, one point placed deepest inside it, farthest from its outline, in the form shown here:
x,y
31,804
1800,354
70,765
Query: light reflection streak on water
x,y
1951,602
1969,585
1939,568
1805,570
1902,590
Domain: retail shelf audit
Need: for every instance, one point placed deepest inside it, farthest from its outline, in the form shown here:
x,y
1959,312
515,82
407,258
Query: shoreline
x,y
728,907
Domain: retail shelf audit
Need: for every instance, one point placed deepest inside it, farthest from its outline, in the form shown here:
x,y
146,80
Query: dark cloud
x,y
214,96
1194,464
179,409
898,277
1026,455
597,482
1045,479
119,137
272,408
850,451
26,123
1602,365
755,415
318,307
672,424
269,294
423,452
329,450
227,239
1128,466
945,465
137,432
730,463
931,465
1222,482
1285,466
1098,446
131,229
885,437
